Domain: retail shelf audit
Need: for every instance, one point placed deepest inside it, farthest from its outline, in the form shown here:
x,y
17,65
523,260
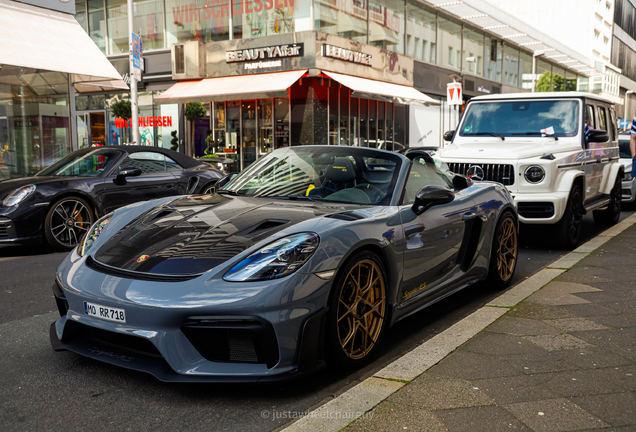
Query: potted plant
x,y
174,141
122,109
193,112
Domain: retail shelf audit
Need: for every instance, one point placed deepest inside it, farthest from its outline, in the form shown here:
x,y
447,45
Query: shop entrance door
x,y
91,128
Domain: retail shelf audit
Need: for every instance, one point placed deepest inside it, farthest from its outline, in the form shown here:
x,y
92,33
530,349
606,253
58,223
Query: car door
x,y
154,182
433,239
591,156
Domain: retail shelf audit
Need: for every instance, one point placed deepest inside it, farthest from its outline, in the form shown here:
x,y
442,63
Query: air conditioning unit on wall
x,y
188,60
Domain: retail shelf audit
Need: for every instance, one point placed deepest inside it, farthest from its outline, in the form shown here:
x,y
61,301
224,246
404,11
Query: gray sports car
x,y
305,258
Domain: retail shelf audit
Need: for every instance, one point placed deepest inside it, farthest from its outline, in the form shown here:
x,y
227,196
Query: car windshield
x,y
335,174
558,118
625,151
89,164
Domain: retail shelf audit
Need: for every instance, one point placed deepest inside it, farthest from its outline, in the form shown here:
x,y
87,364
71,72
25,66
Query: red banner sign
x,y
153,121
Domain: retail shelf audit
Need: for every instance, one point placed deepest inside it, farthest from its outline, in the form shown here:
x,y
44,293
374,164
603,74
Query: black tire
x,y
208,188
343,322
569,227
67,221
504,252
612,213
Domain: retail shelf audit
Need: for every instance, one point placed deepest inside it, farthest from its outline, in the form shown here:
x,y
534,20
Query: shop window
x,y
382,143
281,117
511,65
219,127
387,25
494,58
422,26
364,122
97,24
248,133
354,123
525,67
265,129
558,78
202,21
399,125
544,76
148,23
80,14
265,18
333,113
34,120
389,128
347,18
449,36
373,124
344,116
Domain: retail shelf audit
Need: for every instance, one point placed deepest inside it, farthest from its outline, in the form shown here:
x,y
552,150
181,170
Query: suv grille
x,y
504,174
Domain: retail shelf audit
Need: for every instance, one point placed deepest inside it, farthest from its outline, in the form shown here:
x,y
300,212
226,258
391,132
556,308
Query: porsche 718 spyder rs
x,y
305,258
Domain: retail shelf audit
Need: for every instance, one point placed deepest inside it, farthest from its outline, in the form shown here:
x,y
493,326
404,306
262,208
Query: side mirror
x,y
448,136
461,182
597,136
127,172
223,181
430,196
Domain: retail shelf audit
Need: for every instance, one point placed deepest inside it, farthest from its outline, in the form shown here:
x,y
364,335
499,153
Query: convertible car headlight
x,y
94,233
18,195
275,260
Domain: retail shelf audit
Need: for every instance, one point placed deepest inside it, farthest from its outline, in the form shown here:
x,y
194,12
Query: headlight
x,y
94,233
275,260
534,174
18,195
627,176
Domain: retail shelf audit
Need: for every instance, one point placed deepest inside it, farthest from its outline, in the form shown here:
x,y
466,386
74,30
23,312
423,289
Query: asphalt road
x,y
44,390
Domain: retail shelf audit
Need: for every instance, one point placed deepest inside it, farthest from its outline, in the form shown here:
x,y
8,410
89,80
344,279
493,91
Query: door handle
x,y
469,216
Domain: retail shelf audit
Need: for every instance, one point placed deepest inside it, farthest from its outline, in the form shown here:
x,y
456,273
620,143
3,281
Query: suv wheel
x,y
612,213
569,227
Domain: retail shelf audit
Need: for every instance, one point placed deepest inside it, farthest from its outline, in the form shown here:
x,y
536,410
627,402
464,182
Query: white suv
x,y
538,146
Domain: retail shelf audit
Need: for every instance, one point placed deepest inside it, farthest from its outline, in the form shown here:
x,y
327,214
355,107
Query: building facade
x,y
470,42
584,25
624,54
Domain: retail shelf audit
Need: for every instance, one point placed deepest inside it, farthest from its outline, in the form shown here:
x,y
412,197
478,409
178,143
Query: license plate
x,y
104,312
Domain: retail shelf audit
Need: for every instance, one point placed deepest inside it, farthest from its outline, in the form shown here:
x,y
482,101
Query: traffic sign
x,y
137,49
454,93
623,123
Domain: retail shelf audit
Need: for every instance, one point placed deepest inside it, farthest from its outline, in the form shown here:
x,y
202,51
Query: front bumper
x,y
629,190
155,338
540,209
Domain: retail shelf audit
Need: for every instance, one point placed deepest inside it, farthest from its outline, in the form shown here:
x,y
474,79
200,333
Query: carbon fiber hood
x,y
194,234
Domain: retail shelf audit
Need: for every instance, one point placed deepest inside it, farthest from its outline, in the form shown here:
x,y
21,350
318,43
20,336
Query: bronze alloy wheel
x,y
507,250
361,309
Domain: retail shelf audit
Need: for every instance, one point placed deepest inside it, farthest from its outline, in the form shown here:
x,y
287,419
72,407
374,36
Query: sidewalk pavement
x,y
564,359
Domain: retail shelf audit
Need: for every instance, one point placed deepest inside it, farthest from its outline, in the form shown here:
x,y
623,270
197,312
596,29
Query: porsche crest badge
x,y
143,258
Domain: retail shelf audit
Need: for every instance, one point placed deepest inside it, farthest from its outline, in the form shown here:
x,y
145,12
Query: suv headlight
x,y
627,176
94,233
18,195
275,260
534,174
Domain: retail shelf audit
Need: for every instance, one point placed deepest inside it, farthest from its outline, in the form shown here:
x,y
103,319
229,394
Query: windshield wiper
x,y
485,133
227,192
556,138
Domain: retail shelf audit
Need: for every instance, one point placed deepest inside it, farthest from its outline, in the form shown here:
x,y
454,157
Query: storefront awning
x,y
231,88
383,91
42,39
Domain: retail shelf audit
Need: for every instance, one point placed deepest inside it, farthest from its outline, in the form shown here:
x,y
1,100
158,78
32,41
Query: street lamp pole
x,y
133,79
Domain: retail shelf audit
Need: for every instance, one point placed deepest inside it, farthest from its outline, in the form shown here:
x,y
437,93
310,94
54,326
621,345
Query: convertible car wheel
x,y
503,258
357,311
66,222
